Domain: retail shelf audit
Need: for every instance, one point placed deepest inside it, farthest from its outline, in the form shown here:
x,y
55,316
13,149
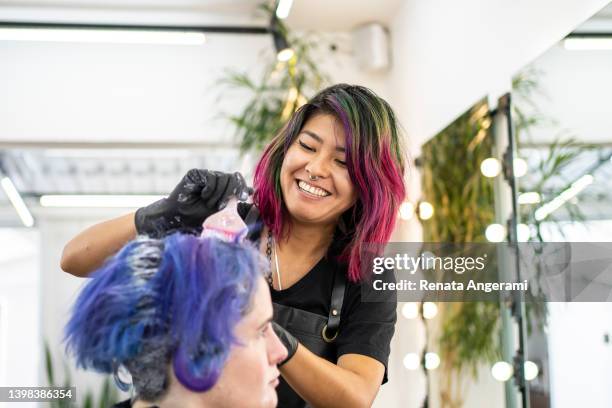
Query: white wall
x,y
449,54
20,354
74,92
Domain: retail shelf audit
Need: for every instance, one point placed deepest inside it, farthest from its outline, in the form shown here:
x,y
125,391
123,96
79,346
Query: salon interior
x,y
97,121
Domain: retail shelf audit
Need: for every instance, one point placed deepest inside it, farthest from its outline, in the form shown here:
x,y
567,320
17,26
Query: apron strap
x,y
330,331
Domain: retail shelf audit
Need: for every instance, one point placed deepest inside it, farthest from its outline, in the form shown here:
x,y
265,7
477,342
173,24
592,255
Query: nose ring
x,y
311,177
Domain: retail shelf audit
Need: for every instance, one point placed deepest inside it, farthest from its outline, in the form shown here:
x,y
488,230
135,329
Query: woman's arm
x,y
87,251
199,194
354,382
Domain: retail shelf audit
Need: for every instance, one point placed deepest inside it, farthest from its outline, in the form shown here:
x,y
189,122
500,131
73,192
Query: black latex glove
x,y
288,340
198,195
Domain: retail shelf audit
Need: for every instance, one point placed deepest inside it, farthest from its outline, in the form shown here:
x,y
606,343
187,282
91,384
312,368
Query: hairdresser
x,y
329,183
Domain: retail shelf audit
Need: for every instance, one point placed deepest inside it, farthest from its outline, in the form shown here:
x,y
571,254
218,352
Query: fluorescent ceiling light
x,y
98,201
95,153
102,36
588,43
15,199
571,192
283,9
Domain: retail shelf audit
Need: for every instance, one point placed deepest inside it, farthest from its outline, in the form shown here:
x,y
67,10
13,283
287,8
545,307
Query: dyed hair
x,y
375,160
160,301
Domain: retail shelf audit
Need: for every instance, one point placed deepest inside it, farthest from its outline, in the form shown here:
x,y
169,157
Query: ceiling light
x,y
18,203
283,51
103,153
588,43
566,195
283,8
98,201
116,36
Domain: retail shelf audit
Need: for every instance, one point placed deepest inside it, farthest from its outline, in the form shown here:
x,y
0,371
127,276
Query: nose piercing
x,y
311,177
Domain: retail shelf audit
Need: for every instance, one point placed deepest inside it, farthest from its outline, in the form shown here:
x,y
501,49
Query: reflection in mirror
x,y
563,126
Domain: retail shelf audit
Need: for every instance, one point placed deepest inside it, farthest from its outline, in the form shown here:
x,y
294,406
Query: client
x,y
189,318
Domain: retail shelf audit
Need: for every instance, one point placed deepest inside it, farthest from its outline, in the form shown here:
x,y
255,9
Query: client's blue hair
x,y
157,301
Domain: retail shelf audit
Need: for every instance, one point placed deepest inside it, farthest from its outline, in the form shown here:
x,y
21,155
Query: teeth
x,y
313,190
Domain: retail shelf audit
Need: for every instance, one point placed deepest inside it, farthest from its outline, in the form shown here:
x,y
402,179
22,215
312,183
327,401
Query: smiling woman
x,y
328,183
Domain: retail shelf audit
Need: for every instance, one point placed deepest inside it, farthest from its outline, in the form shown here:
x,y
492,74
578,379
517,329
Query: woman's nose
x,y
318,166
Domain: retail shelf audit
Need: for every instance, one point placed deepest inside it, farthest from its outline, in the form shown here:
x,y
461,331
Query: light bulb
x,y
530,370
285,55
410,310
432,361
430,310
502,371
412,361
519,167
490,167
426,210
495,233
523,232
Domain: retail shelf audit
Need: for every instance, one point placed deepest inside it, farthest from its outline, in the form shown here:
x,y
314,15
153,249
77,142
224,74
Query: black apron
x,y
317,333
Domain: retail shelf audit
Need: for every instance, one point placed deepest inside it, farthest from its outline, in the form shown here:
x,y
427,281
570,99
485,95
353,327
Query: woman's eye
x,y
305,146
341,162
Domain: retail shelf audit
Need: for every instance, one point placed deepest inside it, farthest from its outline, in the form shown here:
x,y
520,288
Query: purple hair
x,y
375,160
159,301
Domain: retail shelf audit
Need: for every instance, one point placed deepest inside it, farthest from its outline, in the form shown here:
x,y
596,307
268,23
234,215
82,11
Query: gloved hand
x,y
288,340
198,195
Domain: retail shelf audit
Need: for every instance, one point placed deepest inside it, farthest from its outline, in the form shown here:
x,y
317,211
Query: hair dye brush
x,y
225,224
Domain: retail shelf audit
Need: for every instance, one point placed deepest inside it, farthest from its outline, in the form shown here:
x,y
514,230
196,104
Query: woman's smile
x,y
312,190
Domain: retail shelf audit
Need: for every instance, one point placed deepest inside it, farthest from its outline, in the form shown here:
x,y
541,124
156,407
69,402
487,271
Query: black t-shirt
x,y
366,328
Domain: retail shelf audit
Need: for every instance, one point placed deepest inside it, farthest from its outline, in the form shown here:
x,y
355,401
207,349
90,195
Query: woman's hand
x,y
198,195
288,340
